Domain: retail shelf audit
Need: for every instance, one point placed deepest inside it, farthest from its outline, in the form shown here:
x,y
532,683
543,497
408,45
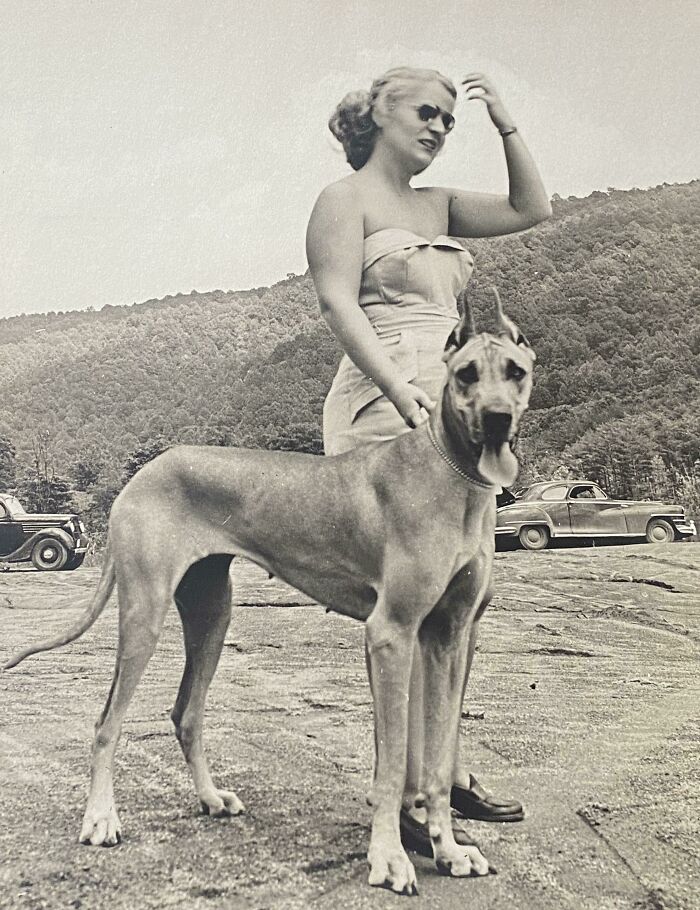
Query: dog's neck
x,y
454,443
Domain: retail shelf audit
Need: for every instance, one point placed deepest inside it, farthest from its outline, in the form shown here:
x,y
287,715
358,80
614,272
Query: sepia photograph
x,y
350,454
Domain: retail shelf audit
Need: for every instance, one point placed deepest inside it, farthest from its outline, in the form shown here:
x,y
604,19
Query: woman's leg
x,y
468,797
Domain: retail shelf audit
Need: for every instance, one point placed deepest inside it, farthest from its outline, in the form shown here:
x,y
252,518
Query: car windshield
x,y
14,506
588,491
554,491
530,493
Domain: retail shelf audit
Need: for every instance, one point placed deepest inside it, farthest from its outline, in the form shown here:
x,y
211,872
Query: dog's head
x,y
487,390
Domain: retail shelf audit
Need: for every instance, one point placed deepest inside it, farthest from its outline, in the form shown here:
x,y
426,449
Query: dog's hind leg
x,y
142,609
204,602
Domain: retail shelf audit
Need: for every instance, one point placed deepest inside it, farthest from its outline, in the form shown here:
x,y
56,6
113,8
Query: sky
x,y
151,147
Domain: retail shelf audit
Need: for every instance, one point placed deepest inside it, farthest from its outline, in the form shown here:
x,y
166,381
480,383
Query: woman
x,y
388,261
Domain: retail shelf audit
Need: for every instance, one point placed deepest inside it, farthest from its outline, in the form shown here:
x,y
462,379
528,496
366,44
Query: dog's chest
x,y
478,523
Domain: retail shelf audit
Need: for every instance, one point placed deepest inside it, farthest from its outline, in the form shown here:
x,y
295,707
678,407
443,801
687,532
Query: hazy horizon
x,y
151,148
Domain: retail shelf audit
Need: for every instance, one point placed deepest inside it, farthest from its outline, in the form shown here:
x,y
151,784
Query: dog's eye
x,y
467,375
513,371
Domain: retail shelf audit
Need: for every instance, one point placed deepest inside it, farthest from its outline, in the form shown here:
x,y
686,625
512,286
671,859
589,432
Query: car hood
x,y
44,519
647,503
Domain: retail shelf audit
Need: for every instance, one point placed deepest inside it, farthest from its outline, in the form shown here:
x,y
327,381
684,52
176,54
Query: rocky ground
x,y
583,702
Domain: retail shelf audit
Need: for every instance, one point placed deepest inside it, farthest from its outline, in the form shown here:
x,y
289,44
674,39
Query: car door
x,y
11,535
553,502
593,513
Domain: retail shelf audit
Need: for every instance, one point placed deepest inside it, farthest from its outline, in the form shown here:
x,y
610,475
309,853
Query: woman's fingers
x,y
481,96
420,416
478,86
413,404
417,417
424,400
481,81
419,409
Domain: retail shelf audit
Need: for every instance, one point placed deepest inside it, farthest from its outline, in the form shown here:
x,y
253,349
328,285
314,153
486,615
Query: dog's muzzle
x,y
496,427
497,463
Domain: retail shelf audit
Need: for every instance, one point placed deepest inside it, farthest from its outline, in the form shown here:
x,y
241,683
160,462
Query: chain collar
x,y
483,485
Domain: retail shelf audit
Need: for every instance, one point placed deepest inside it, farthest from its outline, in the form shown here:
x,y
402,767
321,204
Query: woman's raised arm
x,y
488,215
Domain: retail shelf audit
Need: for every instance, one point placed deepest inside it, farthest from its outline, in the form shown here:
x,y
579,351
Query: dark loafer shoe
x,y
415,836
479,804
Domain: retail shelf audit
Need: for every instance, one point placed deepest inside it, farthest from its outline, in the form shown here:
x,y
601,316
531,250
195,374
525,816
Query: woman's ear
x,y
382,110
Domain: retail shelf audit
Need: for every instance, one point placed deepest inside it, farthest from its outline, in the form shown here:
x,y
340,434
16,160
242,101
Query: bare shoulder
x,y
338,210
436,200
438,196
340,195
336,224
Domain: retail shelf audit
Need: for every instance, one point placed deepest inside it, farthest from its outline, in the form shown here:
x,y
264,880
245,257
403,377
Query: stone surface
x,y
582,703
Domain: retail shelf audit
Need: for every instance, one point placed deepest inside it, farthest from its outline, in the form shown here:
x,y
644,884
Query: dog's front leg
x,y
389,648
444,656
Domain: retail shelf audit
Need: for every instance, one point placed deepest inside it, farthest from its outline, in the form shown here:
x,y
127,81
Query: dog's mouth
x,y
497,463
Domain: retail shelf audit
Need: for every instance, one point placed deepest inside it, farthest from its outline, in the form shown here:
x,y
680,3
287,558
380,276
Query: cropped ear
x,y
465,328
506,326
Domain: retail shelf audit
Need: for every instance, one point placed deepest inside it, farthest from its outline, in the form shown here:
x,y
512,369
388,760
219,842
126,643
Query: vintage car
x,y
578,508
51,542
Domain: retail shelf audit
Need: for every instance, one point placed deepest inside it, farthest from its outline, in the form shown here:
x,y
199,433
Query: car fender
x,y
638,517
666,516
674,519
517,516
25,551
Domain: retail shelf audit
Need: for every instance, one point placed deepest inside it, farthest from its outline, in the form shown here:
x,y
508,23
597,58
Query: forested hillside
x,y
606,291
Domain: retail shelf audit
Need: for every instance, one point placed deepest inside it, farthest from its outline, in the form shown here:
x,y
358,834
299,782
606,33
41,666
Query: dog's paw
x,y
101,828
461,861
392,869
221,804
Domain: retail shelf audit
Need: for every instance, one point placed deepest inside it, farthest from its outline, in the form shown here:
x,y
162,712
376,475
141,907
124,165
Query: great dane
x,y
398,534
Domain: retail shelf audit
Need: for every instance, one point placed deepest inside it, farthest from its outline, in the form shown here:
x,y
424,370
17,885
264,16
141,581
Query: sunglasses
x,y
428,112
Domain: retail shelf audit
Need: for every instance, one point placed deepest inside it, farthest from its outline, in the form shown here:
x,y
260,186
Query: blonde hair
x,y
352,123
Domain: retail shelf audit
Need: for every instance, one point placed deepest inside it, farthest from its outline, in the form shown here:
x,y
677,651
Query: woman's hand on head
x,y
479,87
412,403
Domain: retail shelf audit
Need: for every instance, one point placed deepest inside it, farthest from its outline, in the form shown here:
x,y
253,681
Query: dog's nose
x,y
497,425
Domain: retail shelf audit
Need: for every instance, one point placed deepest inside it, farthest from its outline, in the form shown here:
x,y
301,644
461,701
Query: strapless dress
x,y
409,294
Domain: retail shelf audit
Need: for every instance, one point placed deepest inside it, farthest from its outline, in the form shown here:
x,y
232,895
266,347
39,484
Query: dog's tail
x,y
99,602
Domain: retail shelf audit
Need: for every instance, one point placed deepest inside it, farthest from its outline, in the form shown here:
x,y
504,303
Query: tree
x,y
41,489
96,515
614,337
87,470
53,496
146,452
8,463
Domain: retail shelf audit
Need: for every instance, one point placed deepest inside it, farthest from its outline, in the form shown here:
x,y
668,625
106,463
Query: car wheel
x,y
49,554
75,562
534,537
660,531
